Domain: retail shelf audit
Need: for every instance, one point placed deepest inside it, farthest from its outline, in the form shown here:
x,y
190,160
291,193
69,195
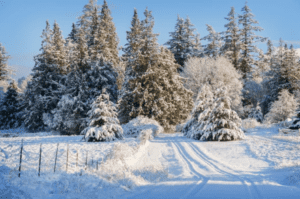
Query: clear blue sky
x,y
22,21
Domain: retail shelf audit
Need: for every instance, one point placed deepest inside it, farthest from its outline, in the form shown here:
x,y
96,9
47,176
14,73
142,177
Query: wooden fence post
x,y
40,159
56,157
92,162
67,158
20,159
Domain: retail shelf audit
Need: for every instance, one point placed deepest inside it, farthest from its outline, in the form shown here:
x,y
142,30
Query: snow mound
x,y
141,127
130,166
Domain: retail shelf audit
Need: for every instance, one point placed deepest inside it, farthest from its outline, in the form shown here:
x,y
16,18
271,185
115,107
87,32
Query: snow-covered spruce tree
x,y
59,52
213,48
183,43
231,38
102,75
215,72
203,102
283,108
293,66
81,59
159,93
176,43
133,38
221,123
108,37
10,108
3,63
248,40
190,39
70,116
44,90
104,124
131,49
142,46
85,20
256,113
72,35
93,42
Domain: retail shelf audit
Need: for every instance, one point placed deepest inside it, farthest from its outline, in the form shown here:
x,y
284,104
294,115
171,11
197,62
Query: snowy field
x,y
264,165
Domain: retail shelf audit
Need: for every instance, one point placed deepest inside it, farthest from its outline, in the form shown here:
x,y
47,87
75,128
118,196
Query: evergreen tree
x,y
231,38
85,20
149,44
212,49
159,93
204,100
189,39
176,43
256,113
223,123
108,38
44,91
3,63
183,43
81,56
131,50
141,57
294,69
93,42
70,115
248,40
59,51
283,108
217,122
10,108
102,76
104,124
134,39
197,49
73,33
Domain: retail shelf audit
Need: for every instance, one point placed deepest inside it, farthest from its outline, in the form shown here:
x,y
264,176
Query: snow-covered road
x,y
198,173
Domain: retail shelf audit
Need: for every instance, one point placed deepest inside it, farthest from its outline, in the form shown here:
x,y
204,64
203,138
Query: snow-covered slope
x,y
264,165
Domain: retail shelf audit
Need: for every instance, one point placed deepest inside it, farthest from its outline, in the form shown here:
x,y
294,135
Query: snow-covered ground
x,y
264,165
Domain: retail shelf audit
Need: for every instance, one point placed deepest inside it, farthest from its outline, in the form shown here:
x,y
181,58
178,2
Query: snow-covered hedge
x,y
142,126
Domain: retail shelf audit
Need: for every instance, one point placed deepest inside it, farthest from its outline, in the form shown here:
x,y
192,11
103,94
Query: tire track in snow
x,y
252,189
201,183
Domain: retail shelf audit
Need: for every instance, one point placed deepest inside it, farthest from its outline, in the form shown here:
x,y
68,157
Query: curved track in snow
x,y
199,174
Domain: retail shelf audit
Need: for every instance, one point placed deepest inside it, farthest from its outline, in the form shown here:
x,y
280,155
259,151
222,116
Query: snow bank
x,y
142,125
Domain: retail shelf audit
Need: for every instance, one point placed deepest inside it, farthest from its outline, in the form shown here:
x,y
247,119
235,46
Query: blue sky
x,y
22,21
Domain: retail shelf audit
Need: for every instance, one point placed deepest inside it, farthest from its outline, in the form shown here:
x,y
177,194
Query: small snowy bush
x,y
140,125
104,124
249,123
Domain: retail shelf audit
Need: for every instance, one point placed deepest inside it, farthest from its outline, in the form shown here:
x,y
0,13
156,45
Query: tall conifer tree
x,y
3,63
232,38
248,40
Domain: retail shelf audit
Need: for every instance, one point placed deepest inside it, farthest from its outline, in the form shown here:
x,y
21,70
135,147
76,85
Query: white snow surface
x,y
266,164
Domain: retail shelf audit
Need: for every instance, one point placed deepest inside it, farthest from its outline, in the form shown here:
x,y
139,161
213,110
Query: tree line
x,y
162,82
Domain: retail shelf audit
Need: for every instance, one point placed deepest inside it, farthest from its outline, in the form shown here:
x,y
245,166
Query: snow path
x,y
198,173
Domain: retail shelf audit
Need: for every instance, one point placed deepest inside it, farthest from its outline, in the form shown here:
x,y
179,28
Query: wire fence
x,y
59,157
